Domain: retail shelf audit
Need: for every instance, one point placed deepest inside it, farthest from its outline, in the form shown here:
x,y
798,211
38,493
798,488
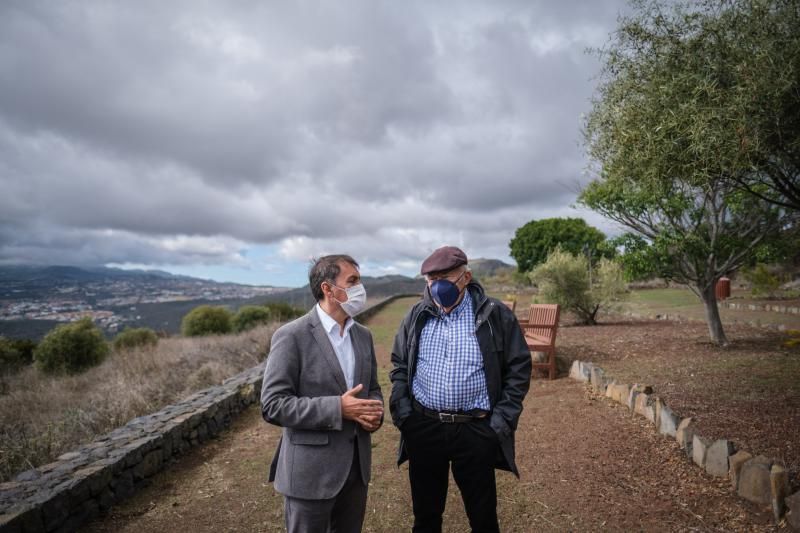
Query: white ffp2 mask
x,y
356,299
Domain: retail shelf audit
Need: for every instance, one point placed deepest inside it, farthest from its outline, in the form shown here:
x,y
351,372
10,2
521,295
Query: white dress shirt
x,y
342,343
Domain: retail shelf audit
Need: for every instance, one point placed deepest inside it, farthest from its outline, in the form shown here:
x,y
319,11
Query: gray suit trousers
x,y
343,513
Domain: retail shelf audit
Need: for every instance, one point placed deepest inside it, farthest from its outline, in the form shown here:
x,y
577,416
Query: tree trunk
x,y
715,330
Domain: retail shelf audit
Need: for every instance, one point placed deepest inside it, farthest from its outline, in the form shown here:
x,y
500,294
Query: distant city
x,y
110,297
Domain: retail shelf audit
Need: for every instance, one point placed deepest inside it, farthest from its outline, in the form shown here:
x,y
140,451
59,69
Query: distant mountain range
x,y
60,273
484,268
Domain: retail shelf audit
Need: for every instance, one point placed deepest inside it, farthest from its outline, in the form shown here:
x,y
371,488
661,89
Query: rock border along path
x,y
760,479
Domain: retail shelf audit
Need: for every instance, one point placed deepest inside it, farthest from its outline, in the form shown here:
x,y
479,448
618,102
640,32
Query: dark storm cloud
x,y
179,132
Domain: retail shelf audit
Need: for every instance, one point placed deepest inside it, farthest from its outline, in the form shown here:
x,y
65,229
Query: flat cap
x,y
443,259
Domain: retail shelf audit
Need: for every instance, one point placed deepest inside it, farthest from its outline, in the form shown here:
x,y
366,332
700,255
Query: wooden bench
x,y
540,333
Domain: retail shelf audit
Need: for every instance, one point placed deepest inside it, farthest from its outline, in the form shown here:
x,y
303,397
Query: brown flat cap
x,y
443,259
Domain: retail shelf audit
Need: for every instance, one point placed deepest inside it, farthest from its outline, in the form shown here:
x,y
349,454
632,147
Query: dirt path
x,y
586,465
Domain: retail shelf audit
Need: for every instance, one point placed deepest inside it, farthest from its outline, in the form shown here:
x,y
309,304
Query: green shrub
x,y
71,348
134,338
206,320
9,357
281,311
762,281
250,316
565,279
15,354
25,348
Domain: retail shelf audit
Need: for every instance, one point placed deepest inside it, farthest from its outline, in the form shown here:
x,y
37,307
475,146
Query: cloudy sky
x,y
235,140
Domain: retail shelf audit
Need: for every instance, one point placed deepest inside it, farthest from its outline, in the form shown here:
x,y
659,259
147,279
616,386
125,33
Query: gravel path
x,y
586,465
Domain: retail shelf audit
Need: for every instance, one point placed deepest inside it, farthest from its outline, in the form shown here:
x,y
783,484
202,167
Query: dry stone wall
x,y
62,495
758,479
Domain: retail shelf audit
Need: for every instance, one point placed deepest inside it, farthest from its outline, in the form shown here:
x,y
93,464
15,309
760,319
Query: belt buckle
x,y
448,418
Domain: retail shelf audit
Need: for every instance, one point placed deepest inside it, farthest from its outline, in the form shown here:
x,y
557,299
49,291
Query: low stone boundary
x,y
774,308
62,495
680,318
758,479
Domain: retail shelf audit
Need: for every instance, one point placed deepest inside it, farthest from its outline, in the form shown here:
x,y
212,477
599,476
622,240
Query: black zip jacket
x,y
506,360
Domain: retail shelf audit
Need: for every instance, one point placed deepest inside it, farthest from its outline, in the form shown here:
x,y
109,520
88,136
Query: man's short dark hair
x,y
326,269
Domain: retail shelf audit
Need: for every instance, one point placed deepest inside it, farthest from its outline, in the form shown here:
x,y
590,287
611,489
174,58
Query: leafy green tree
x,y
669,131
71,348
564,279
135,338
704,89
534,241
249,317
206,320
636,258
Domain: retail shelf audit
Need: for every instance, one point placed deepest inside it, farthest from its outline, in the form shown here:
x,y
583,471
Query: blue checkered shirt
x,y
450,374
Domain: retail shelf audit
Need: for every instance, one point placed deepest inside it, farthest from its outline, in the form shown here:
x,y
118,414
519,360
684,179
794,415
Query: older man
x,y
461,371
320,384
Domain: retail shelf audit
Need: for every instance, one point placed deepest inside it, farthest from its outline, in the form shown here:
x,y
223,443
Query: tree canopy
x,y
534,241
707,89
678,133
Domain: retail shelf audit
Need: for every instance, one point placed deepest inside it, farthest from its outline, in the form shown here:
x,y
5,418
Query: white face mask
x,y
356,299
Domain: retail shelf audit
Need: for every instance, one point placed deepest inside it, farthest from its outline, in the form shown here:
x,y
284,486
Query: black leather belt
x,y
449,418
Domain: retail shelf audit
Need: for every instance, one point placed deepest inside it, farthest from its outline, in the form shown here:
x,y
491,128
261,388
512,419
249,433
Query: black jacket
x,y
506,359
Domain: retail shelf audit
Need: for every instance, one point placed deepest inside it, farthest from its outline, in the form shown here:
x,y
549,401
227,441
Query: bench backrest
x,y
543,320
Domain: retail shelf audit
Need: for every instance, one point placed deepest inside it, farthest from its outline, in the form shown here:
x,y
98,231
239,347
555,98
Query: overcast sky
x,y
235,140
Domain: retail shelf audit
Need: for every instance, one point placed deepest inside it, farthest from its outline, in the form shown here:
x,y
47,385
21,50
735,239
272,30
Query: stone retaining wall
x,y
758,479
62,495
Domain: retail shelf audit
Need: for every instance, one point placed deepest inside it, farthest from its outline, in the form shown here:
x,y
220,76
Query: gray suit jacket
x,y
301,391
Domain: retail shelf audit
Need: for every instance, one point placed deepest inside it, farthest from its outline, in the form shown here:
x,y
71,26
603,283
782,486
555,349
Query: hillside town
x,y
103,299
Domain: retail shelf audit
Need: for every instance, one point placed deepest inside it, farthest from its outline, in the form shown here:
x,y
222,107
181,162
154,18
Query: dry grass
x,y
42,417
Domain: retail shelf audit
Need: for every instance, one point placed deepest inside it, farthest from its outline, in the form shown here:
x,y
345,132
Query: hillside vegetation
x,y
42,417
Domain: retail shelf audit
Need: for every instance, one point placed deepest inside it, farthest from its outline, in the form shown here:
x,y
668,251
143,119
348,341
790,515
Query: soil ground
x,y
586,463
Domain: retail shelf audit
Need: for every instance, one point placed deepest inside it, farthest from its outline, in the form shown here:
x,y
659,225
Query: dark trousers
x,y
470,448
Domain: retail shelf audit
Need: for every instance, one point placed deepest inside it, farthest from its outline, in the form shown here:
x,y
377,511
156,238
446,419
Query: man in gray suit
x,y
321,385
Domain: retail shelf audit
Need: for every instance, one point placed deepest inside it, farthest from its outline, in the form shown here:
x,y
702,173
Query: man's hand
x,y
366,412
369,423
